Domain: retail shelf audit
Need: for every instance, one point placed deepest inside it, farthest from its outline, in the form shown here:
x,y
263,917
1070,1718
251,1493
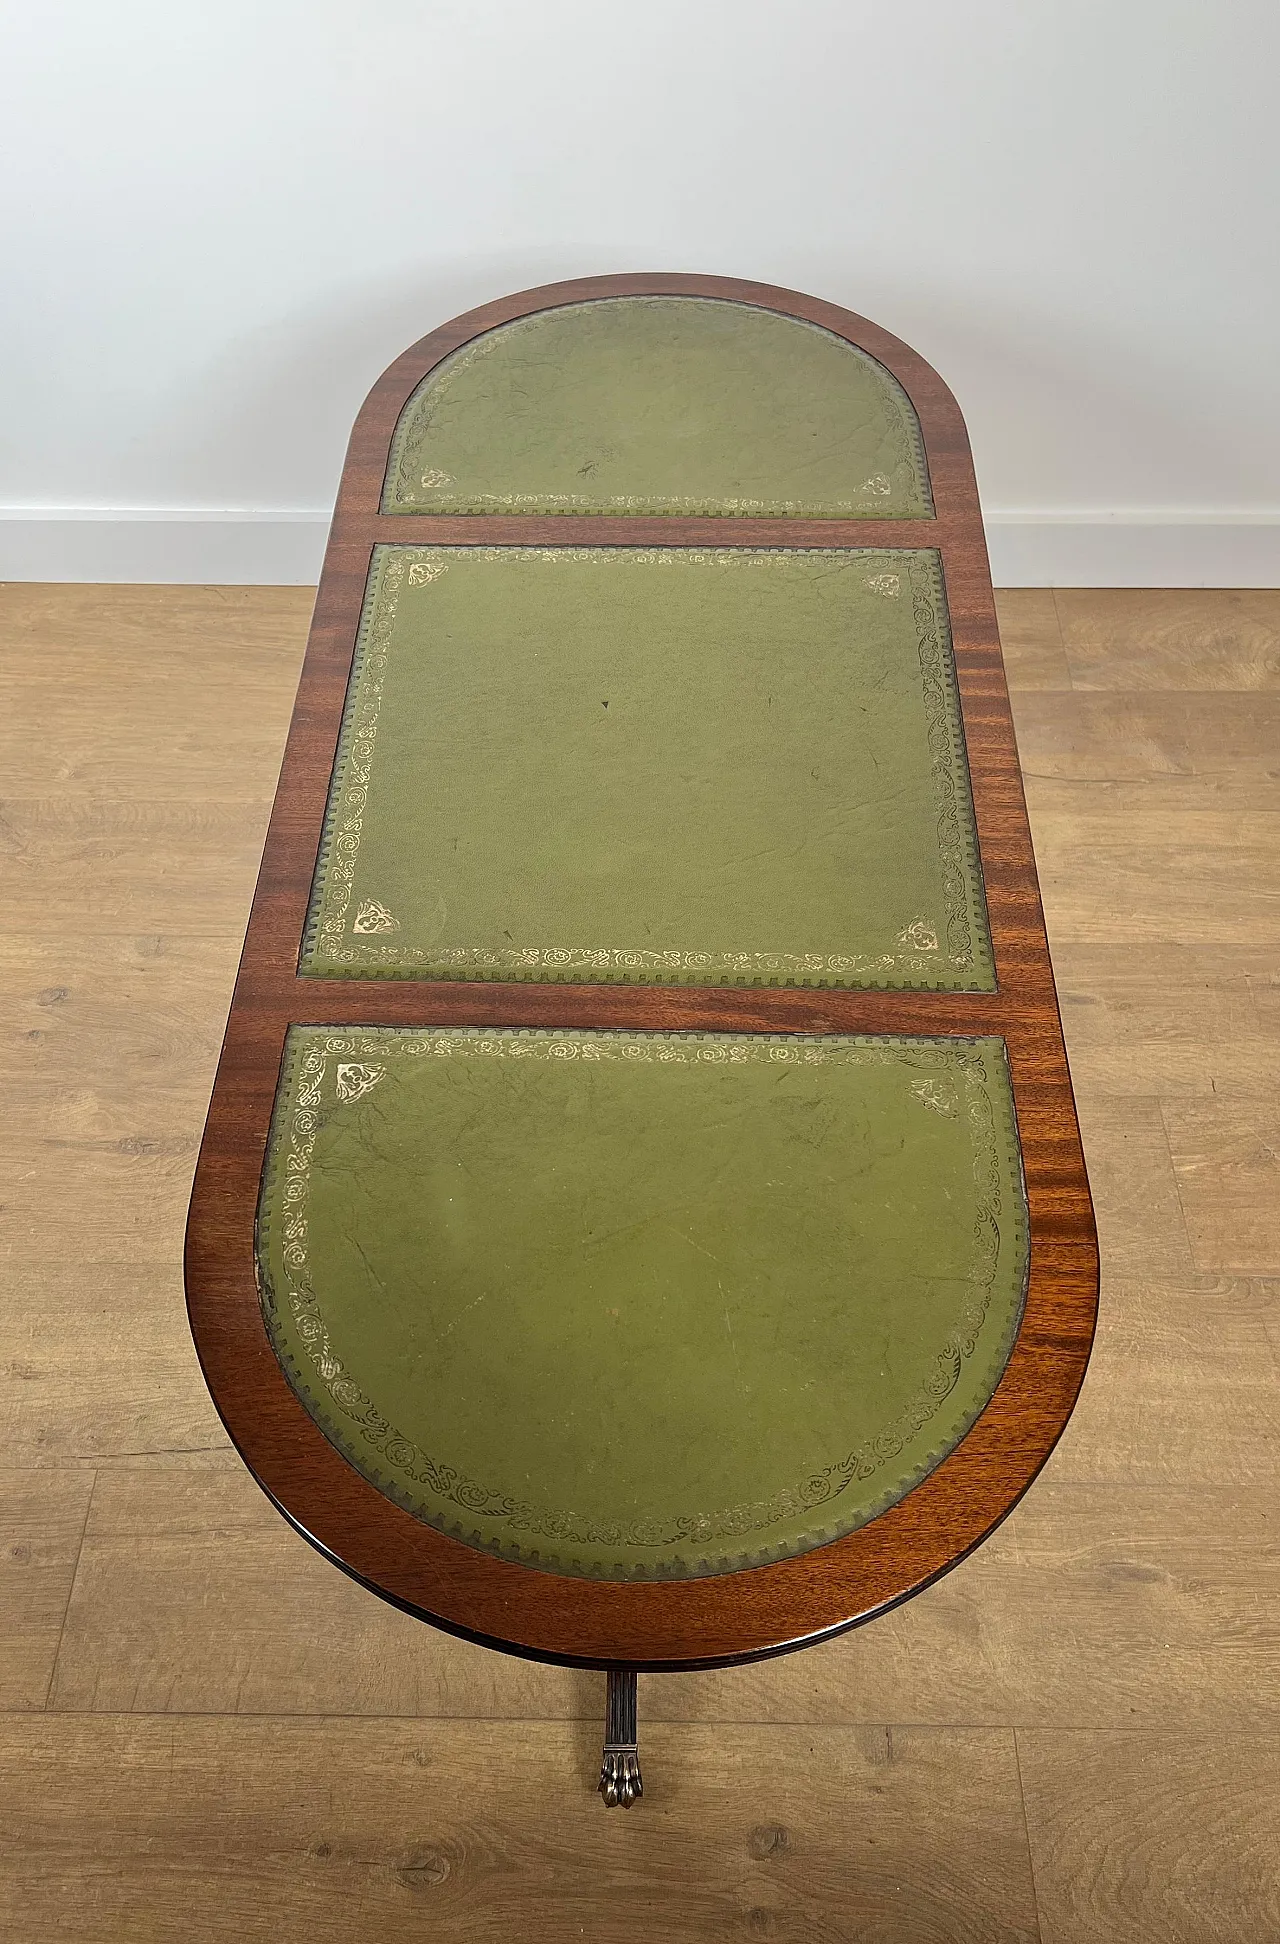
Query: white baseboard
x,y
285,547
1143,549
190,546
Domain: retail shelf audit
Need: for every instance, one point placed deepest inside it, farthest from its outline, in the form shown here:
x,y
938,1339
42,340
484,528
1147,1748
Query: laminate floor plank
x,y
99,1368
107,1049
1175,1020
164,1831
1171,638
107,1052
1267,1291
88,866
166,751
1157,894
1138,1837
1093,1606
42,1517
1090,1604
194,1596
79,1196
1135,1192
115,640
1226,1157
1183,1388
185,726
1264,983
1176,816
1031,639
1221,741
141,1015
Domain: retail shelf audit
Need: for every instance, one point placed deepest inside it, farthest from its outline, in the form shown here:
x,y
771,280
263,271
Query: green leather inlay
x,y
642,1305
659,405
723,767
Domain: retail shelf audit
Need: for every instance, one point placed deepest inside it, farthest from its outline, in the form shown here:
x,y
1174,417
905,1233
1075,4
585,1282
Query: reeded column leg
x,y
620,1782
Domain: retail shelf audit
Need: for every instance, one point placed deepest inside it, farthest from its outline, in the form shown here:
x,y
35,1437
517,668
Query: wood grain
x,y
1226,1157
1092,1606
1264,989
192,1597
1031,639
1171,1019
1085,817
1171,638
200,684
98,1367
1184,1387
1163,893
134,1020
42,1517
1172,1836
1224,741
115,1193
734,1616
97,866
162,642
216,1829
1140,1227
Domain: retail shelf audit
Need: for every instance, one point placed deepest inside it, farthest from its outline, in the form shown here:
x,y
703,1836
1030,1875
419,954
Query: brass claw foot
x,y
620,1780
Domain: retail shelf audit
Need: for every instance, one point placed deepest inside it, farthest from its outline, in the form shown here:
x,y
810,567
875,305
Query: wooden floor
x,y
208,1733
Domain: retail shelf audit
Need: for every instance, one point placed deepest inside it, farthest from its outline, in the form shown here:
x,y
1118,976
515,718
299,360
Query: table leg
x,y
620,1782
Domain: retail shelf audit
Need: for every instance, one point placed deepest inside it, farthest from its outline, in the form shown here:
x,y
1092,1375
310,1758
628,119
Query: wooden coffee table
x,y
641,1220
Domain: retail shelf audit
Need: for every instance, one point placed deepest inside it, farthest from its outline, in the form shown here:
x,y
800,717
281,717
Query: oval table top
x,y
641,1219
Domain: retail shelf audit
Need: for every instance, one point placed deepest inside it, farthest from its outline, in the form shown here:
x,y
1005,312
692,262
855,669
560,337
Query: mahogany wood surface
x,y
766,1609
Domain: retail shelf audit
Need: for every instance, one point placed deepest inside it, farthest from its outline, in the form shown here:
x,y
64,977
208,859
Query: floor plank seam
x,y
1198,1267
71,1590
1026,1831
1062,640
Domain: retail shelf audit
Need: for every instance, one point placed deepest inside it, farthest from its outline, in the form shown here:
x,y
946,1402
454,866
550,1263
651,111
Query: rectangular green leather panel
x,y
723,767
642,1305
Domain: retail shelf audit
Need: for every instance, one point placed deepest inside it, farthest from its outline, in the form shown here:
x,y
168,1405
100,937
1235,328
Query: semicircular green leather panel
x,y
642,1305
687,405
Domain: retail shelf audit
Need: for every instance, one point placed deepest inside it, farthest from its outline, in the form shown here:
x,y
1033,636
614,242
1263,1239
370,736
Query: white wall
x,y
224,217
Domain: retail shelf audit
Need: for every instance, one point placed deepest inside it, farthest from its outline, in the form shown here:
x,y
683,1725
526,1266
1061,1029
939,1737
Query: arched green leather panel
x,y
735,766
689,405
642,1305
